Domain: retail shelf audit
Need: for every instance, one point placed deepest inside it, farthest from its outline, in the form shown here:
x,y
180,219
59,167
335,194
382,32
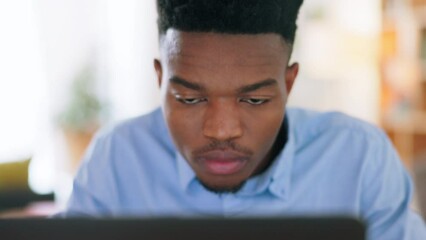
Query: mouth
x,y
222,162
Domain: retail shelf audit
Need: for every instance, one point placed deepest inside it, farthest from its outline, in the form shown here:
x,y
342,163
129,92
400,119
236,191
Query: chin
x,y
219,189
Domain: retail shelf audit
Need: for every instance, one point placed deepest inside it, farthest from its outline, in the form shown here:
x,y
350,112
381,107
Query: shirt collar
x,y
186,174
281,177
276,178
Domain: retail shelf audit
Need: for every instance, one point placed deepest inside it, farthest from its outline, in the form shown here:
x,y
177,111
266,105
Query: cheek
x,y
183,124
262,126
267,128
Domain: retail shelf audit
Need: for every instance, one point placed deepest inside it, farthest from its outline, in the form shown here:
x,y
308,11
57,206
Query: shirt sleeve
x,y
387,196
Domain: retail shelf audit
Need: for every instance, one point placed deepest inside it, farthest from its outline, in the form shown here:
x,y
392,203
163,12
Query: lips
x,y
222,162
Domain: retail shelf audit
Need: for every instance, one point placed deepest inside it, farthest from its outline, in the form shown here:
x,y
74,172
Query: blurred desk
x,y
33,210
23,203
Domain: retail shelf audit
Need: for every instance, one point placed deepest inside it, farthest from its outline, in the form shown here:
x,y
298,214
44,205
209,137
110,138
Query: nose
x,y
222,121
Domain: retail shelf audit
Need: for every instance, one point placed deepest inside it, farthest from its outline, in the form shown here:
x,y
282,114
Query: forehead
x,y
214,49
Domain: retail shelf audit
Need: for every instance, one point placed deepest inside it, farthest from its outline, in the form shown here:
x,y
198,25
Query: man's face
x,y
223,98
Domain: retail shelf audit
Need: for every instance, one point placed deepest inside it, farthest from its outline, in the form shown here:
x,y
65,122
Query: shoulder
x,y
307,125
336,138
149,123
123,157
130,140
149,127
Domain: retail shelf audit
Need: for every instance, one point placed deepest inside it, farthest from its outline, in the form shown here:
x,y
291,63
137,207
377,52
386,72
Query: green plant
x,y
83,112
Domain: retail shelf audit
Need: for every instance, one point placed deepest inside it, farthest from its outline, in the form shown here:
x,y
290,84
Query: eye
x,y
255,101
190,101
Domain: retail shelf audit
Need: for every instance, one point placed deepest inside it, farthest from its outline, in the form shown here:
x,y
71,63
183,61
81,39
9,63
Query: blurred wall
x,y
337,46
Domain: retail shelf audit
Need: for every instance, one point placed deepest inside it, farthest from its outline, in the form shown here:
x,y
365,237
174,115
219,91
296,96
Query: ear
x,y
159,70
290,76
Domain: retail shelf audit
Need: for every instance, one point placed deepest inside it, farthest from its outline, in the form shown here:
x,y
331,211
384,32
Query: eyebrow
x,y
253,87
180,81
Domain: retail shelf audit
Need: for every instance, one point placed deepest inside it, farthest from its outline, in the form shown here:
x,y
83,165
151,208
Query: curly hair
x,y
230,16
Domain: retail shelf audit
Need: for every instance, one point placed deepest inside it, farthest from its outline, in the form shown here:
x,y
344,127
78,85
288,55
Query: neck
x,y
277,147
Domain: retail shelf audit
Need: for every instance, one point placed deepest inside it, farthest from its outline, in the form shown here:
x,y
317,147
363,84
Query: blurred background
x,y
69,67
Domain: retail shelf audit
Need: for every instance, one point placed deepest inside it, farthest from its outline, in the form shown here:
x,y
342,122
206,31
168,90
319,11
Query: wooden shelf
x,y
415,123
408,131
408,136
418,3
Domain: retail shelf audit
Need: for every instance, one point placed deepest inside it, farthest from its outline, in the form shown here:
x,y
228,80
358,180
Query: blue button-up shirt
x,y
331,164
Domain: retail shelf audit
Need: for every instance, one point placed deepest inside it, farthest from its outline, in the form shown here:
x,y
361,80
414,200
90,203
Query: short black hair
x,y
230,16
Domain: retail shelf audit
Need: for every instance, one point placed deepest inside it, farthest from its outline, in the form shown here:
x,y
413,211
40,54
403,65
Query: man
x,y
223,143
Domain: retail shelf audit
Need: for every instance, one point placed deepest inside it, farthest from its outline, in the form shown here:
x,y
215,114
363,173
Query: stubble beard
x,y
222,189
